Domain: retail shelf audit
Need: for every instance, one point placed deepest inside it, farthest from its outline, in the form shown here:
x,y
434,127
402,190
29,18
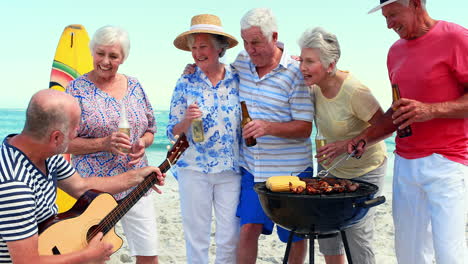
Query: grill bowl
x,y
318,214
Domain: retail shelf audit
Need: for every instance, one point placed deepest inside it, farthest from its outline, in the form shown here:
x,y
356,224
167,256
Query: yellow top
x,y
344,117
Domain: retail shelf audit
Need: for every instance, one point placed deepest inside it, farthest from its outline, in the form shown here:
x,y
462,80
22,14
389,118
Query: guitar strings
x,y
116,214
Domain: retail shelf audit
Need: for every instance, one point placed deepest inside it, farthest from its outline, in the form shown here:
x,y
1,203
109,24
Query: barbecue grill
x,y
318,216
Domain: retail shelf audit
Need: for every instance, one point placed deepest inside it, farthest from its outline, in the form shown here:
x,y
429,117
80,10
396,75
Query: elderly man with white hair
x,y
279,103
429,64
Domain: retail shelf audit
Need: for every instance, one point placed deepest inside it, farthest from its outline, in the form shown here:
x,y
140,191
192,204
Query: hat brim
x,y
380,6
180,41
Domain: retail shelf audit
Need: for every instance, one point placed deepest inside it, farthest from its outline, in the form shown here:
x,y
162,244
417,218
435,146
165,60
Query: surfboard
x,y
72,59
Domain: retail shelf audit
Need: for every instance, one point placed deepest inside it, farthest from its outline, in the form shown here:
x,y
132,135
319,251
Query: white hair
x,y
325,42
407,2
110,35
262,18
404,2
219,42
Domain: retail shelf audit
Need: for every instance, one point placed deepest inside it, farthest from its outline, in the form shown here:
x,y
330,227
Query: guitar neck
x,y
131,199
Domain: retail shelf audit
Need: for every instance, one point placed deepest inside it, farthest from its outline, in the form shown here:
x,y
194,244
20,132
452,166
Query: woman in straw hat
x,y
208,171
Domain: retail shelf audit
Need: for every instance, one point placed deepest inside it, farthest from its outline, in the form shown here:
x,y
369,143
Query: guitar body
x,y
67,232
96,211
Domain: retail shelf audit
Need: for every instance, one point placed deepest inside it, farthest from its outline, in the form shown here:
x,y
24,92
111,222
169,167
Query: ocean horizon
x,y
12,122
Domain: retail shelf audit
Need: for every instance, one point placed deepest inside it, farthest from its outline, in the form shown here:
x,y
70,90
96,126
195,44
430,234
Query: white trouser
x,y
199,194
429,210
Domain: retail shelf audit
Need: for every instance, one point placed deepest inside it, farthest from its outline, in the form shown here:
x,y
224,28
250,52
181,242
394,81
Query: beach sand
x,y
271,250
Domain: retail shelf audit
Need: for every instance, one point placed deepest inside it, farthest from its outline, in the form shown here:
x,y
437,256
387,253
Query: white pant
x,y
139,225
199,194
429,210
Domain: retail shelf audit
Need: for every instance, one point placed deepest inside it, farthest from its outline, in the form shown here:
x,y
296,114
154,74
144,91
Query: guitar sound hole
x,y
92,232
55,251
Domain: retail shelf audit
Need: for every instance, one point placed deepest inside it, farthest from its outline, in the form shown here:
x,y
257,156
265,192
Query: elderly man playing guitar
x,y
31,169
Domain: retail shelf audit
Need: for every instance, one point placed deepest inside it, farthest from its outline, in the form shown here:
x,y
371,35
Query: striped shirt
x,y
27,196
279,96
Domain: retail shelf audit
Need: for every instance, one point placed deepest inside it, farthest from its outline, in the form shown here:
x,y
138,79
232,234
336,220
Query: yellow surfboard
x,y
72,59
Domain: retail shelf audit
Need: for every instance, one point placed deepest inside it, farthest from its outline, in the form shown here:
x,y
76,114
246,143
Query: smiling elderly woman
x,y
208,171
343,108
100,150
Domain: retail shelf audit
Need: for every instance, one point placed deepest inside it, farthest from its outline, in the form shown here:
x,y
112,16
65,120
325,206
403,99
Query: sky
x,y
30,31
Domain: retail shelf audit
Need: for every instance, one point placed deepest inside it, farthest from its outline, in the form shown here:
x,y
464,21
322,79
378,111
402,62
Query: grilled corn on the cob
x,y
281,183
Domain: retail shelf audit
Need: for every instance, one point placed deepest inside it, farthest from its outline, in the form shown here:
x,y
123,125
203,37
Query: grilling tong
x,y
324,173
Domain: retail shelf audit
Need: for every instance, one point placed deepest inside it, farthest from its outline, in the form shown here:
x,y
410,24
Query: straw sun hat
x,y
205,23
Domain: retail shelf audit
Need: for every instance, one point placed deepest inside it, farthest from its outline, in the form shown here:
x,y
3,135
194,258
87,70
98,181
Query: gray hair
x,y
262,18
325,42
110,35
407,2
219,42
41,120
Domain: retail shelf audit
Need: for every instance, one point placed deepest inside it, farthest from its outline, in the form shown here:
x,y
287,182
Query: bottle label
x,y
197,130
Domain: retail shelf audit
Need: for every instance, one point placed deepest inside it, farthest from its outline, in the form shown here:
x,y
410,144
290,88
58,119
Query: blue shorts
x,y
250,210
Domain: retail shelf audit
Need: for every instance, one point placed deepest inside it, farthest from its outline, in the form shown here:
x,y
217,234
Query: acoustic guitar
x,y
96,212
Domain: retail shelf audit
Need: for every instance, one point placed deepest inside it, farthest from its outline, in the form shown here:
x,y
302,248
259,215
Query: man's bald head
x,y
50,110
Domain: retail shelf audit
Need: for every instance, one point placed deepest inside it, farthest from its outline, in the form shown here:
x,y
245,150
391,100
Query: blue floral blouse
x,y
221,122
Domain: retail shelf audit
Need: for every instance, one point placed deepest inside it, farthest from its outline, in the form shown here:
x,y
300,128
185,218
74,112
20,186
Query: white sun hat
x,y
382,4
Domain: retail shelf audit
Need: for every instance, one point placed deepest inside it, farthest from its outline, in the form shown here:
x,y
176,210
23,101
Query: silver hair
x,y
325,42
110,35
41,121
407,2
262,18
219,42
404,2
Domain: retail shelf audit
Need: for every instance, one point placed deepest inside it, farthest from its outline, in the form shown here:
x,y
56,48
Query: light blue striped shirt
x,y
27,196
279,96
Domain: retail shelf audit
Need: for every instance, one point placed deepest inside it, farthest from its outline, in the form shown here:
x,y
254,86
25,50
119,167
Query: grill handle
x,y
371,203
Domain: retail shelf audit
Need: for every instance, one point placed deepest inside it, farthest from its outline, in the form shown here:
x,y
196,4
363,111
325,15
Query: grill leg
x,y
346,246
311,249
288,248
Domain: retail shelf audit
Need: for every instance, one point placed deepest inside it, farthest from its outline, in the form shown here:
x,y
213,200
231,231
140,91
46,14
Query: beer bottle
x,y
124,125
197,124
405,132
320,140
251,141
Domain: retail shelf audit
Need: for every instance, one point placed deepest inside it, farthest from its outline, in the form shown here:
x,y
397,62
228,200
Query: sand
x,y
271,250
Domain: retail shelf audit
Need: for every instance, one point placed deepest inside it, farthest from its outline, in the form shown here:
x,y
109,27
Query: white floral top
x,y
221,121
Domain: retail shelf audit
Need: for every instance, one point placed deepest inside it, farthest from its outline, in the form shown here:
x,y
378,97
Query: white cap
x,y
382,4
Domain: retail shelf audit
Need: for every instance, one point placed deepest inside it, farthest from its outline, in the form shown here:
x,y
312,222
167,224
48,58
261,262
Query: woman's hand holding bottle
x,y
327,153
116,142
194,114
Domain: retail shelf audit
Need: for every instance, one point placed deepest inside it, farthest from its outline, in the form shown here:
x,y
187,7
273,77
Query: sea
x,y
12,122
